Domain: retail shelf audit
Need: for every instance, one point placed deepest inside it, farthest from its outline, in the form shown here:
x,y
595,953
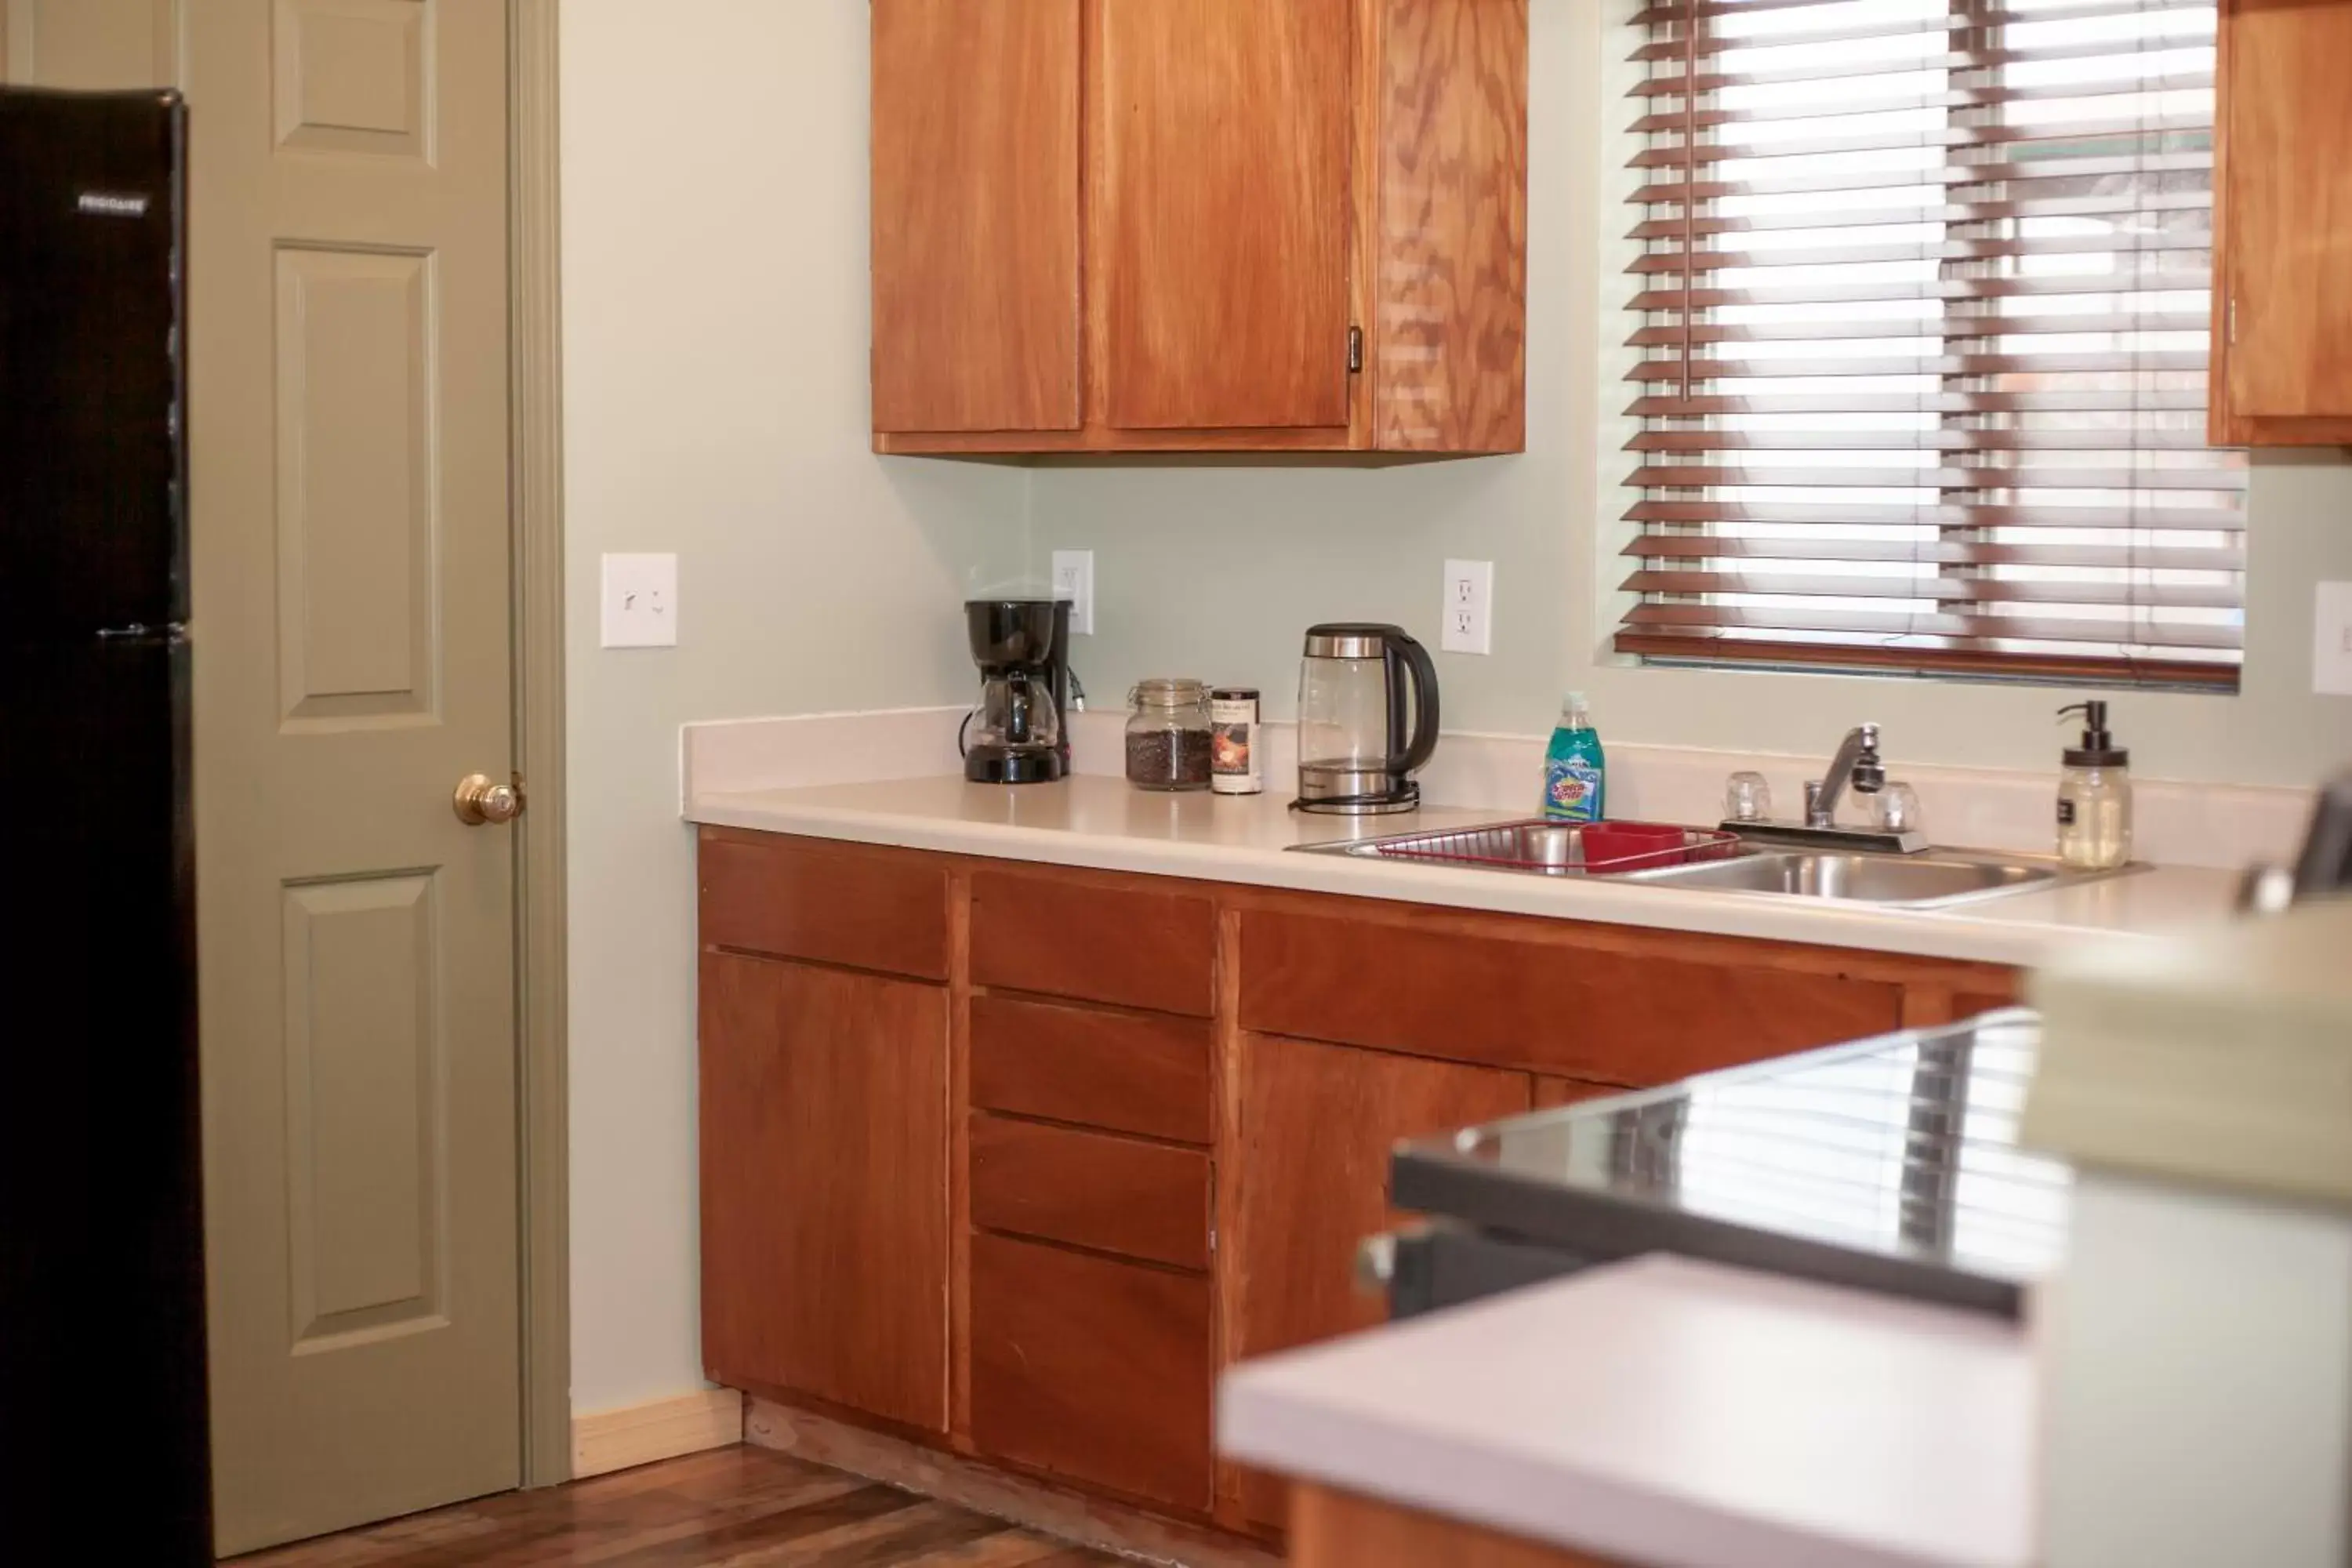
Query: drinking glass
x,y
1747,798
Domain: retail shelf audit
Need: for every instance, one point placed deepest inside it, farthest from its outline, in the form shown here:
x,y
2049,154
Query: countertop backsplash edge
x,y
2177,824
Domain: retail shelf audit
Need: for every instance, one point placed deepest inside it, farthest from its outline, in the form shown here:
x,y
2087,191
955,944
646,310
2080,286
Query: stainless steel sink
x,y
1929,880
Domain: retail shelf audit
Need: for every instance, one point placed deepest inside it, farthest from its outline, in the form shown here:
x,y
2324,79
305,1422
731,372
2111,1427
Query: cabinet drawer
x,y
1066,937
797,898
1131,1072
1092,1370
1542,1003
1091,1189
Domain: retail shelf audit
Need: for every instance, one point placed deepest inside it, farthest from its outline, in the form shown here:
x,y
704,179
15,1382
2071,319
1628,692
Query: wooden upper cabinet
x,y
1276,225
2282,243
1223,213
975,211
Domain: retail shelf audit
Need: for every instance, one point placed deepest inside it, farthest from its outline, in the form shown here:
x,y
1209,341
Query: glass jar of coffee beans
x,y
1168,740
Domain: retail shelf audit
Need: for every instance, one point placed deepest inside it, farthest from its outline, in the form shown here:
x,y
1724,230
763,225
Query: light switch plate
x,y
1073,579
640,601
2331,639
1469,612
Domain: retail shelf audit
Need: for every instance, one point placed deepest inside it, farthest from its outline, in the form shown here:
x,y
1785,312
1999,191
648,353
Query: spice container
x,y
1233,741
1168,742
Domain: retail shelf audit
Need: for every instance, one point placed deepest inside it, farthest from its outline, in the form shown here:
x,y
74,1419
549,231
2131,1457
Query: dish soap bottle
x,y
1575,773
2095,803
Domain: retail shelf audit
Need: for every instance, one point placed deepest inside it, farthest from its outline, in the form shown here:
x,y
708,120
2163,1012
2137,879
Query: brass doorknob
x,y
479,799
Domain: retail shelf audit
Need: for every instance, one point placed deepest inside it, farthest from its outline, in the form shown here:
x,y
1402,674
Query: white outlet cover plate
x,y
1073,579
2331,639
1468,619
639,605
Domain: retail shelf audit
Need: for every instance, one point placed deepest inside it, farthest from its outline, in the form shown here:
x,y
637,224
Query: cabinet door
x,y
2285,233
975,214
1316,1124
824,1183
1223,198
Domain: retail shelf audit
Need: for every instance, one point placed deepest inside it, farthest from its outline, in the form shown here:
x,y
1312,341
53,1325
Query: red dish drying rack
x,y
1560,848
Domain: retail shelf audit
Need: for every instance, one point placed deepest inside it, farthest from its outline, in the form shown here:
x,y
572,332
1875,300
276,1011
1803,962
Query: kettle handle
x,y
1425,700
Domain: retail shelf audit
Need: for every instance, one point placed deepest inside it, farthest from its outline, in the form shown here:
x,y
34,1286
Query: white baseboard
x,y
659,1430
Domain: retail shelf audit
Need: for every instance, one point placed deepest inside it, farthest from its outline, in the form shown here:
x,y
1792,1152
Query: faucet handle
x,y
1814,815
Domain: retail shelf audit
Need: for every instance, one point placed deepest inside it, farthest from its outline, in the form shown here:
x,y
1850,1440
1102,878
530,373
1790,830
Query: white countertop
x,y
1103,823
1673,1413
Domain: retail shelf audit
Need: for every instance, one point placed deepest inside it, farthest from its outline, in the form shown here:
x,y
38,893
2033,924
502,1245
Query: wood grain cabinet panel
x,y
975,214
1301,225
1092,1370
824,1185
795,898
1148,1201
1332,1529
1130,943
2283,225
1448,339
1640,1015
1131,1072
1553,1093
1224,198
1317,1125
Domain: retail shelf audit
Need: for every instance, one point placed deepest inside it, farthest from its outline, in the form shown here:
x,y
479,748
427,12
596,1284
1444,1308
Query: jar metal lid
x,y
1234,693
1168,691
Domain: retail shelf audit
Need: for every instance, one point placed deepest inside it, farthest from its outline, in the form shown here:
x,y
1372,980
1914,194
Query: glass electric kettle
x,y
1358,686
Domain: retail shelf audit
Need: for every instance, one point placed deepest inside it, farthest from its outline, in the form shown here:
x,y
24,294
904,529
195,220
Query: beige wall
x,y
714,339
1214,568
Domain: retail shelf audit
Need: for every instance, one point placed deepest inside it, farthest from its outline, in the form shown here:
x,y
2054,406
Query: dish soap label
x,y
1572,789
1576,774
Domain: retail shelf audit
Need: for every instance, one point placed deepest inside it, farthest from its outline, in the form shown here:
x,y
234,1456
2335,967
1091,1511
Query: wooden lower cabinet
x,y
1092,1369
1554,1092
1014,1159
824,1185
1330,1529
1317,1125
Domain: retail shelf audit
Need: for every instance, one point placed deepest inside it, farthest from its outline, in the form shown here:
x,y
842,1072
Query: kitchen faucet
x,y
1857,762
1857,766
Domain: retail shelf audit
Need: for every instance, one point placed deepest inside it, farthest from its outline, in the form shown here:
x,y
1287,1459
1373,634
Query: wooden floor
x,y
740,1507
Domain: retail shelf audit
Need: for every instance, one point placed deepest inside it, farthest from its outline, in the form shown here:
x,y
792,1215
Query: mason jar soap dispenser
x,y
2095,803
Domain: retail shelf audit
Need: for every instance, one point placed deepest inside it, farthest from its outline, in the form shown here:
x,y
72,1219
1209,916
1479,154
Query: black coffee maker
x,y
1017,734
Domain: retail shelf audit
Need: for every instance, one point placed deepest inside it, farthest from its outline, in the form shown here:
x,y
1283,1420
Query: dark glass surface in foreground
x,y
1889,1164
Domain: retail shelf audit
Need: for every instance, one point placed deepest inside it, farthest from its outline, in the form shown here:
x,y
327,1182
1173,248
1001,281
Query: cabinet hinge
x,y
2231,325
1355,350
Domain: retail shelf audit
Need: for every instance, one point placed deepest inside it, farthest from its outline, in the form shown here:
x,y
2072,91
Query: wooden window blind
x,y
1924,295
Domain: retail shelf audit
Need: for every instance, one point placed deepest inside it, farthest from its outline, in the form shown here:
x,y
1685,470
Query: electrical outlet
x,y
640,601
1469,613
1073,579
2331,640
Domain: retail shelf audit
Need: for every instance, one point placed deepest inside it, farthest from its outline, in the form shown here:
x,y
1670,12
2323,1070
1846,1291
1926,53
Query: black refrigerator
x,y
103,1440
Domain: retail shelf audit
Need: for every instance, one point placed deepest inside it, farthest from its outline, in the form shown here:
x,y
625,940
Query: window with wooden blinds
x,y
1923,298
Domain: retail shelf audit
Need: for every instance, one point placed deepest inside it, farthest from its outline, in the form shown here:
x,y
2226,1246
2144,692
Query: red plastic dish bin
x,y
1612,846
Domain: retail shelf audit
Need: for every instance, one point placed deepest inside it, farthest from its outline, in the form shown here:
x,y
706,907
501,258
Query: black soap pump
x,y
2094,802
